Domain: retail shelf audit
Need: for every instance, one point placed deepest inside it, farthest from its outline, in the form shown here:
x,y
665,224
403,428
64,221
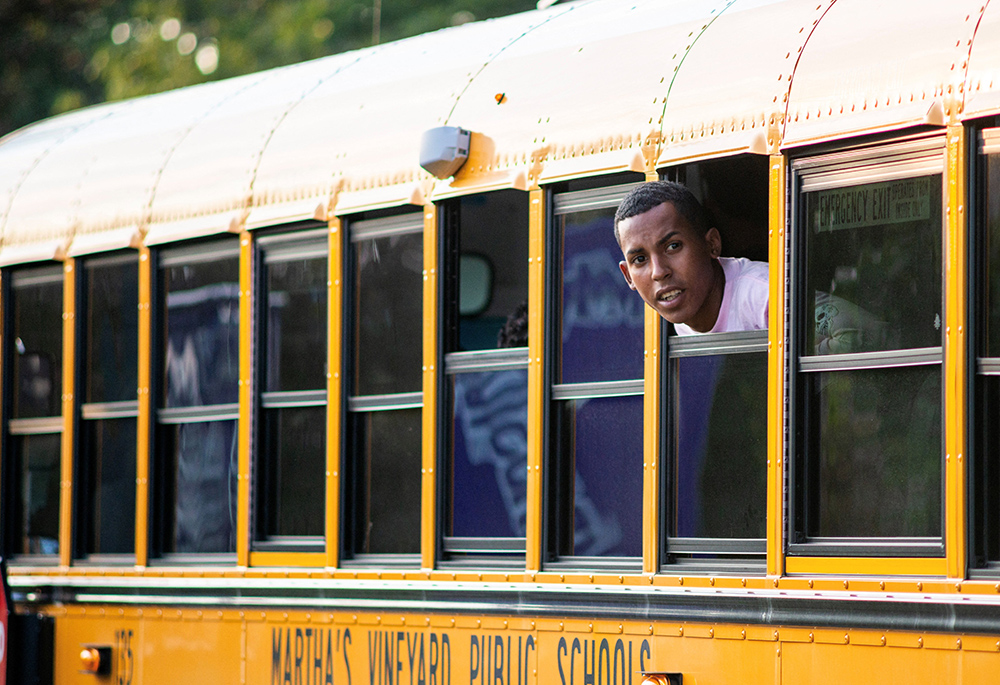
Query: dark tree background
x,y
58,55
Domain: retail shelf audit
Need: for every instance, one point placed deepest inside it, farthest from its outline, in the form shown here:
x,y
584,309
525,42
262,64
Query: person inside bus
x,y
672,259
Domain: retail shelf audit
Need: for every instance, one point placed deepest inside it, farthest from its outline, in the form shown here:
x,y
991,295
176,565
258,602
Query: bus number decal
x,y
125,662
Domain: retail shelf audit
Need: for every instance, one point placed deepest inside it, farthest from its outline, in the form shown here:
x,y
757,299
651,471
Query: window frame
x,y
302,242
915,156
558,516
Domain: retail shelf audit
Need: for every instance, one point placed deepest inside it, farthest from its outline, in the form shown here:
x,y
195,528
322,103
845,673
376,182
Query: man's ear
x,y
628,277
714,241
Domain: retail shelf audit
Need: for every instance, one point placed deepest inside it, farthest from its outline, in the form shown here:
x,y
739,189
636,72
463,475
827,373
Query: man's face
x,y
672,267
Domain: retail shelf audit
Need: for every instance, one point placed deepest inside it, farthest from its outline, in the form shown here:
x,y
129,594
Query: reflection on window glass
x,y
200,461
296,325
601,318
293,471
603,440
388,321
110,490
388,507
489,453
38,457
202,333
878,448
112,332
720,474
874,271
494,228
36,305
991,325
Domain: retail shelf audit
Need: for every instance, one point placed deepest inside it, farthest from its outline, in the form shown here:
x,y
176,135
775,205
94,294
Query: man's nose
x,y
661,268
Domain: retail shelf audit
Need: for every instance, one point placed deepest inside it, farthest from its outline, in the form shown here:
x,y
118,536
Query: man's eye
x,y
674,245
638,259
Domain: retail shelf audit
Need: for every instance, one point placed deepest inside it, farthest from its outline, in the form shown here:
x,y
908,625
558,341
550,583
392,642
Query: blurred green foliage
x,y
58,55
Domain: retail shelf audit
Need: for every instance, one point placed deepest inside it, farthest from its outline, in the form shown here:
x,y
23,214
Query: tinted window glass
x,y
388,507
36,305
601,318
38,457
293,470
110,491
873,279
112,330
490,453
296,324
878,447
719,483
601,439
199,483
387,334
202,332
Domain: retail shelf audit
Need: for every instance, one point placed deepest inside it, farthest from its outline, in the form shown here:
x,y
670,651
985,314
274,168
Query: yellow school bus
x,y
328,374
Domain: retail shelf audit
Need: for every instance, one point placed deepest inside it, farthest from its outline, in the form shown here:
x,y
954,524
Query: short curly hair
x,y
654,193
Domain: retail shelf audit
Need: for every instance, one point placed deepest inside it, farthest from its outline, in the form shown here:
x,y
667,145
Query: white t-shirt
x,y
744,298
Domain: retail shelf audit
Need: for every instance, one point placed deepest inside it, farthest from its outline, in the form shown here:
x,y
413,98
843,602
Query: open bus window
x,y
196,454
715,384
486,375
34,430
290,460
869,386
105,483
385,397
595,435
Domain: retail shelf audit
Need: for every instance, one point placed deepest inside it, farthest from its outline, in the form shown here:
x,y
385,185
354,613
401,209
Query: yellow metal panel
x,y
145,419
652,405
245,424
68,397
334,392
895,566
776,368
536,376
287,559
955,347
429,413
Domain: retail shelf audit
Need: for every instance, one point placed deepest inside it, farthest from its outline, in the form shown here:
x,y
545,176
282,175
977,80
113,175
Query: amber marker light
x,y
661,679
95,660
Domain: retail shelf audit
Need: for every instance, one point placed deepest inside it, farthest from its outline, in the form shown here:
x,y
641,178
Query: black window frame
x,y
310,241
371,225
914,156
87,413
558,504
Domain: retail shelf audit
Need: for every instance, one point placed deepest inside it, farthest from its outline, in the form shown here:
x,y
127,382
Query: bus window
x,y
34,429
985,488
385,379
290,461
105,479
486,360
869,391
197,439
716,391
596,422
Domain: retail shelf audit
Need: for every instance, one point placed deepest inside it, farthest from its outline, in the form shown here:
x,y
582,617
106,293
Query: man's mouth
x,y
669,295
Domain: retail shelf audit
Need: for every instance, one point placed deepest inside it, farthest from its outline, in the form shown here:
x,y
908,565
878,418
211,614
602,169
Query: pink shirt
x,y
744,299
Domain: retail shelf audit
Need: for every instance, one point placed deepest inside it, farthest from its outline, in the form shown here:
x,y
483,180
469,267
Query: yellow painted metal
x,y
288,559
68,398
652,405
245,423
145,417
168,645
916,566
428,469
334,380
776,367
536,376
955,349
